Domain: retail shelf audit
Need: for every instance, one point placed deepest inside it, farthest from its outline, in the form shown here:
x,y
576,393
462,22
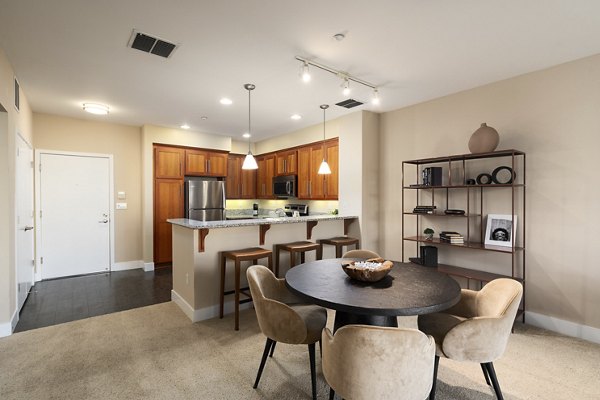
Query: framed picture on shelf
x,y
500,230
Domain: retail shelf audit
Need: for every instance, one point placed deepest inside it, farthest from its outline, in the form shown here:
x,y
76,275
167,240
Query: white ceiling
x,y
67,52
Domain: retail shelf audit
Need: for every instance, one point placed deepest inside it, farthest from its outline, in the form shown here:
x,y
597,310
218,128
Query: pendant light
x,y
249,161
324,167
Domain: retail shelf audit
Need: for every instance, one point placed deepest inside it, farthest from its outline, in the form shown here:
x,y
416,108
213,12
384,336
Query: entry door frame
x,y
21,137
38,222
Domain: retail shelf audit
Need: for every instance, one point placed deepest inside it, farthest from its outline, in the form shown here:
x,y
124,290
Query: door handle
x,y
104,221
28,228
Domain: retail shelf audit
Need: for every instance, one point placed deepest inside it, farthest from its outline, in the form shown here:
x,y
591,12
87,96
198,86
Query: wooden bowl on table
x,y
371,270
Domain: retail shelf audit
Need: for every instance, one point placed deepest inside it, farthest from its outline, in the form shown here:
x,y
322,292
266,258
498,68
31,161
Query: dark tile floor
x,y
68,299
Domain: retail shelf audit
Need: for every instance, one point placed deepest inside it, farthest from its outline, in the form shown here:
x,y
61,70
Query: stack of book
x,y
452,237
424,209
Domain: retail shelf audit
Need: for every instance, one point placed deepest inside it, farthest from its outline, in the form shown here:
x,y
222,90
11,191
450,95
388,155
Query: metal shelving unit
x,y
456,180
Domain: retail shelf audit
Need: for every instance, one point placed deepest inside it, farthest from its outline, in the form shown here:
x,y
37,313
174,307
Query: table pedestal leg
x,y
344,318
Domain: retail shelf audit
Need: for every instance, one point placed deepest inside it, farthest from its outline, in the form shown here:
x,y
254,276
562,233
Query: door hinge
x,y
40,213
32,164
40,167
41,260
33,262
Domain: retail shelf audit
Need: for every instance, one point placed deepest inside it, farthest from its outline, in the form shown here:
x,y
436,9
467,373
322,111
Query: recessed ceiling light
x,y
94,108
226,101
203,118
185,126
339,37
296,117
246,135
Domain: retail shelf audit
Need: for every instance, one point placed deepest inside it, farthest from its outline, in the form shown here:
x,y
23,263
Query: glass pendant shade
x,y
324,168
250,162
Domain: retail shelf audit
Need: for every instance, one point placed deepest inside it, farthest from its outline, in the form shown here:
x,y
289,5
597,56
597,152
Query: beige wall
x,y
554,116
123,142
12,122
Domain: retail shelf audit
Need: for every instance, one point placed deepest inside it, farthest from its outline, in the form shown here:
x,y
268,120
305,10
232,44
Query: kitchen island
x,y
197,246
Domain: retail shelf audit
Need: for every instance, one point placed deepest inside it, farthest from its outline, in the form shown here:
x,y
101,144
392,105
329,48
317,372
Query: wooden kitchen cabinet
x,y
311,185
168,203
286,162
205,163
240,183
168,162
265,174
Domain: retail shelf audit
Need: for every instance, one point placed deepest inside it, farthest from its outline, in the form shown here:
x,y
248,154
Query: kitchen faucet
x,y
280,212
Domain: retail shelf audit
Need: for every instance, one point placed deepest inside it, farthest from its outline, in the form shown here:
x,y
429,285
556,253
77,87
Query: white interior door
x,y
75,214
24,235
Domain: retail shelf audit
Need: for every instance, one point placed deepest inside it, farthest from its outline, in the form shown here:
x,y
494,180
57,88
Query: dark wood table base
x,y
343,318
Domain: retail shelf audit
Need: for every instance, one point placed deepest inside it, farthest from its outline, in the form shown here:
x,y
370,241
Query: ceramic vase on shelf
x,y
484,140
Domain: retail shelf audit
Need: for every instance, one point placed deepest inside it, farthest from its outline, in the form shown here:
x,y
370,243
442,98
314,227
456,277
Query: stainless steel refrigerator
x,y
204,199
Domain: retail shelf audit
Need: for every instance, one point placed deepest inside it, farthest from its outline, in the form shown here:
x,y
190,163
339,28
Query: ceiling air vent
x,y
350,103
150,44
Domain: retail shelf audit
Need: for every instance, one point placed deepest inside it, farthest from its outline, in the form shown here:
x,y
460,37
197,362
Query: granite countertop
x,y
193,224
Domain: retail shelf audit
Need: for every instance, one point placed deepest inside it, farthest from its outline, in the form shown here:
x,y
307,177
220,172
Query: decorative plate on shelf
x,y
371,270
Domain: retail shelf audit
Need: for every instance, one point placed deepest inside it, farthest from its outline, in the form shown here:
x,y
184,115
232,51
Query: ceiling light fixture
x,y
203,118
375,100
225,101
95,108
249,161
341,74
296,117
185,126
246,135
304,72
346,86
324,167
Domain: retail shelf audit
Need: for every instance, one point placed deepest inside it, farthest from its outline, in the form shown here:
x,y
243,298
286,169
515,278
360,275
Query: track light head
x,y
305,73
375,100
346,86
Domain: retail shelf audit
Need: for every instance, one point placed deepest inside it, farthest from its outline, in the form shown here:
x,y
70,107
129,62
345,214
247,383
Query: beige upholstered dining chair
x,y
360,253
372,362
283,318
477,328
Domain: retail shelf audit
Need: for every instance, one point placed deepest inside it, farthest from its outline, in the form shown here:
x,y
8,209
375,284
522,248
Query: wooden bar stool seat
x,y
339,242
296,247
252,254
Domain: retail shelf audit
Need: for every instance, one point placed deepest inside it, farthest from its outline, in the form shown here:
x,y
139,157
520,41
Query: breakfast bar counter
x,y
197,246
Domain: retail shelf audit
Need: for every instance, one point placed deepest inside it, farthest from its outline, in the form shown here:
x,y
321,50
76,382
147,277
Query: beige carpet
x,y
155,352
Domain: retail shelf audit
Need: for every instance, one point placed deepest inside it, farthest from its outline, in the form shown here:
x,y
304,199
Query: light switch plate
x,y
121,195
121,206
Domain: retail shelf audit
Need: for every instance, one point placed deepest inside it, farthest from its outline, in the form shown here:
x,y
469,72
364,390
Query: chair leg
x,y
272,348
320,253
222,295
321,348
485,374
436,363
237,295
338,251
494,379
276,261
302,257
263,361
331,393
313,371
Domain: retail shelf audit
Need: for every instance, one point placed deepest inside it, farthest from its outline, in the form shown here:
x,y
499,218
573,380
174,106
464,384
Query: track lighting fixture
x,y
340,74
305,73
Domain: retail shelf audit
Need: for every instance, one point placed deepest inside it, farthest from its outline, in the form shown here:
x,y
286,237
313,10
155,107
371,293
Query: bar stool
x,y
293,248
339,243
252,254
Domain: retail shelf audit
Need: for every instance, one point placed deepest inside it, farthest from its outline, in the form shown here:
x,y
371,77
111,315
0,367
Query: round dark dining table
x,y
409,289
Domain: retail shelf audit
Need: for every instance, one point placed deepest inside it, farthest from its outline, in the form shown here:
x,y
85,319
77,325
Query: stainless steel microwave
x,y
285,186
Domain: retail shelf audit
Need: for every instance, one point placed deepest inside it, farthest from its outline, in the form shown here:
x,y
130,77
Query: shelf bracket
x,y
347,223
263,231
201,235
309,227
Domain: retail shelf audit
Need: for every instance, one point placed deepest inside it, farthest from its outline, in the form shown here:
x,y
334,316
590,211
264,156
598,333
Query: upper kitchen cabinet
x,y
311,185
205,163
286,162
240,183
168,162
265,174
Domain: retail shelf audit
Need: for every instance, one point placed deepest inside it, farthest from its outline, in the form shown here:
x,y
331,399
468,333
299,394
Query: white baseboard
x,y
149,267
206,312
7,328
125,265
564,327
